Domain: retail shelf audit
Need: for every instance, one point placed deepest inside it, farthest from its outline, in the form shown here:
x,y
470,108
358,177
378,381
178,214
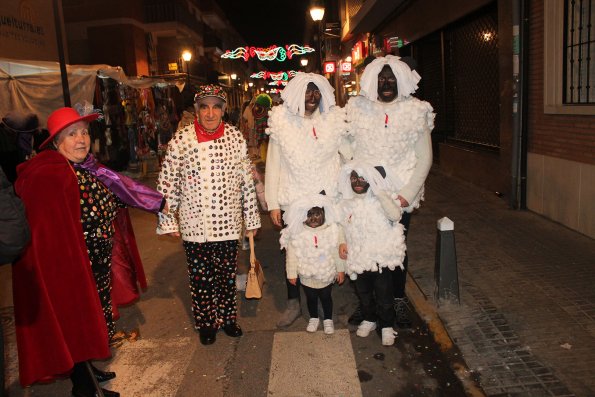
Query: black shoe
x,y
402,312
357,317
233,330
102,376
207,336
106,393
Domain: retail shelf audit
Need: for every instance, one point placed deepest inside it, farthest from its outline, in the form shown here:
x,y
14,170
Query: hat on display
x,y
63,118
21,122
210,90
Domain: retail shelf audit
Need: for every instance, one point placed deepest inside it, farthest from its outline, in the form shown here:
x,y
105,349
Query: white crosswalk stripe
x,y
306,364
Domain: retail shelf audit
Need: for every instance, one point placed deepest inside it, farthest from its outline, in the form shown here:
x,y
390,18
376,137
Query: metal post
x,y
320,38
63,72
445,270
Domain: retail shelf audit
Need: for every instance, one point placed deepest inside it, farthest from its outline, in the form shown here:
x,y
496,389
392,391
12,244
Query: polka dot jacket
x,y
208,187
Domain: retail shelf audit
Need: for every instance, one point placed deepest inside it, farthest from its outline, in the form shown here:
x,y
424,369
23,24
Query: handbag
x,y
256,278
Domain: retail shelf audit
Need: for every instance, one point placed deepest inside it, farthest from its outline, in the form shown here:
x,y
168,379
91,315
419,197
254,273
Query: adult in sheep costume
x,y
391,128
306,134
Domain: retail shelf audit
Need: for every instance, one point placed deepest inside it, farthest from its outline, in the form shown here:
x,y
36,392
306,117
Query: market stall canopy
x,y
36,86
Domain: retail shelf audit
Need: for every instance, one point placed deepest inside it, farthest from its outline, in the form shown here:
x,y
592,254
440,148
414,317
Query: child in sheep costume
x,y
311,240
375,244
389,127
306,134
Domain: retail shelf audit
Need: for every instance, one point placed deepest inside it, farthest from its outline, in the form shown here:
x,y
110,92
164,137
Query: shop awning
x,y
36,86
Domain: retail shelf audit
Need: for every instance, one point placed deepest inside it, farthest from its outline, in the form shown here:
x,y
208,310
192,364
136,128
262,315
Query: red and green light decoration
x,y
274,75
272,53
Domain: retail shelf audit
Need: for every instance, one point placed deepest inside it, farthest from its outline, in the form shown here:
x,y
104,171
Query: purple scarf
x,y
129,191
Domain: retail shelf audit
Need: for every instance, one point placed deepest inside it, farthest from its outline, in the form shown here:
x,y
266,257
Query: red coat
x,y
127,268
58,315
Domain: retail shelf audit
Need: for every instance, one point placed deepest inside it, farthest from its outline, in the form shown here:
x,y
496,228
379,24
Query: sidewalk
x,y
526,323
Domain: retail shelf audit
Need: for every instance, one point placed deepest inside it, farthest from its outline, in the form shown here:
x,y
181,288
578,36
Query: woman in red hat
x,y
71,203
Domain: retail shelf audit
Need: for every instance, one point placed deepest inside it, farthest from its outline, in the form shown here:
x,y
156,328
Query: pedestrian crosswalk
x,y
313,364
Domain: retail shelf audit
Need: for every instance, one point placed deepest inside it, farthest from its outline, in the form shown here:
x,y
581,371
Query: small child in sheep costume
x,y
375,243
311,240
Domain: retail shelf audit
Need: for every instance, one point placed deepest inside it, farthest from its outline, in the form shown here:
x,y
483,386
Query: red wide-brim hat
x,y
61,119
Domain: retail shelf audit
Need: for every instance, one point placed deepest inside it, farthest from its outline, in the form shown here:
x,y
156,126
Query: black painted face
x,y
358,183
315,217
387,85
312,98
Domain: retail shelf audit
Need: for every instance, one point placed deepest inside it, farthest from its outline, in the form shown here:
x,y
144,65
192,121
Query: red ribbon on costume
x,y
315,242
314,132
385,120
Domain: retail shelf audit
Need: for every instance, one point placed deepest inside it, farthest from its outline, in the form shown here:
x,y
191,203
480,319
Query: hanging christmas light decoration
x,y
278,82
271,53
274,75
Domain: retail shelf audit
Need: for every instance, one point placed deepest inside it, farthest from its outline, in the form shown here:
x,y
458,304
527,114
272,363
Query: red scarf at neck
x,y
205,136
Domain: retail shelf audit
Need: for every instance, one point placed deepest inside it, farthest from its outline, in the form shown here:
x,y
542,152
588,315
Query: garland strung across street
x,y
272,53
274,75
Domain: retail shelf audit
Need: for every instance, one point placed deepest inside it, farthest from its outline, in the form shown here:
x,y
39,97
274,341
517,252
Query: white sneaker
x,y
365,328
329,327
313,325
388,336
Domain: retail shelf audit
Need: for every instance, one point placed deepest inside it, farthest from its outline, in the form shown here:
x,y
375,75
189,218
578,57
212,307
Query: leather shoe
x,y
102,376
207,336
233,330
106,393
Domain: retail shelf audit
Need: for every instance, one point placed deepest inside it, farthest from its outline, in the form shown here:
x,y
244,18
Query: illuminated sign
x,y
346,67
172,67
357,52
329,67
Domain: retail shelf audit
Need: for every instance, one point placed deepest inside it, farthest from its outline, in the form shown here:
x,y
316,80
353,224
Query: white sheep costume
x,y
303,155
375,238
387,133
312,253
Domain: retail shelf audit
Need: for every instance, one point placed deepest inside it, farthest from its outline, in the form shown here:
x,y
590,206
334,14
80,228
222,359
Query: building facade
x,y
514,114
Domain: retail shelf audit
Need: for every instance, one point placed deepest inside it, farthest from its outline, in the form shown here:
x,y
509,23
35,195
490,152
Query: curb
x,y
428,313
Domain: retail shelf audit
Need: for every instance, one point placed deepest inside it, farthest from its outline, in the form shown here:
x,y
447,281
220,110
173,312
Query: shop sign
x,y
357,53
329,67
172,67
27,30
346,67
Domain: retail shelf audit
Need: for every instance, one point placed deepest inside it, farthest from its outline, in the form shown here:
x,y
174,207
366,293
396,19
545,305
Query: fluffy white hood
x,y
407,79
294,93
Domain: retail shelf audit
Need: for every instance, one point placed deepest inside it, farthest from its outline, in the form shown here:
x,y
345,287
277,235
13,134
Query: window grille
x,y
579,45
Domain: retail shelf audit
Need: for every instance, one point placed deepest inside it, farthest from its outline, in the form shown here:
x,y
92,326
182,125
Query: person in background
x,y
259,140
62,282
14,236
207,180
16,140
306,134
391,128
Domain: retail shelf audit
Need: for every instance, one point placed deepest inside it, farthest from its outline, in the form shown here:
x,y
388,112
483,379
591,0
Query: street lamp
x,y
317,11
317,14
187,56
304,62
234,76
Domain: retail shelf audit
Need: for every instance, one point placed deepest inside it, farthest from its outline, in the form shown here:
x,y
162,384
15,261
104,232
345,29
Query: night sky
x,y
266,22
